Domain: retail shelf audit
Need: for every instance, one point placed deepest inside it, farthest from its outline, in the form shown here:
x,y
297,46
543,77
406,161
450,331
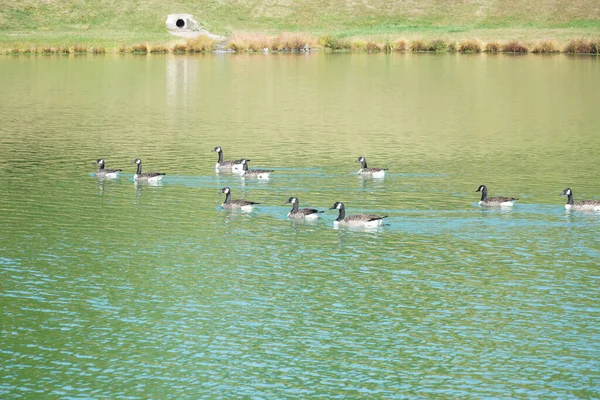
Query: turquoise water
x,y
112,289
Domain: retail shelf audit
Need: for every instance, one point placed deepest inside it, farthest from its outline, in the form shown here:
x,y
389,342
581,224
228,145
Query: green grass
x,y
110,24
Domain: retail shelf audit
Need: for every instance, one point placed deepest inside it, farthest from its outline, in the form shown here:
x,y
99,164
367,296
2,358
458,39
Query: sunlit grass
x,y
470,46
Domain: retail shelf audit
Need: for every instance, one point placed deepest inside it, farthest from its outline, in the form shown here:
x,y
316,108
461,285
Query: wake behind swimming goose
x,y
227,165
105,172
369,172
356,220
254,173
494,201
140,176
581,205
301,213
228,204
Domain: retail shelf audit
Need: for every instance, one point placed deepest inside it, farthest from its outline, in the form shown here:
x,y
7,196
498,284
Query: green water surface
x,y
114,290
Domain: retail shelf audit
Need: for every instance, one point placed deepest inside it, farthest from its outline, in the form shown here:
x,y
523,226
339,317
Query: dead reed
x,y
582,46
200,44
292,41
124,49
418,45
141,48
399,45
545,47
98,50
80,49
493,47
159,49
514,47
179,49
470,46
437,45
452,47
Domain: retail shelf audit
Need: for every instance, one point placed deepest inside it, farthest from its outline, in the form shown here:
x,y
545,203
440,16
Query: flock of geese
x,y
241,168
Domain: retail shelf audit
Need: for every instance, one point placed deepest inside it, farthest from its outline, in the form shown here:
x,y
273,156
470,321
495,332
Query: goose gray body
x,y
581,205
494,201
301,213
229,204
254,173
356,220
226,165
369,172
145,176
105,172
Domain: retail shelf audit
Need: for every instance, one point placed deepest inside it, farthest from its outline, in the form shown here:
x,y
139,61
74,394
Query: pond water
x,y
111,289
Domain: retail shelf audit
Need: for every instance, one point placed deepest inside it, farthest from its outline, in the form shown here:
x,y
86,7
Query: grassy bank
x,y
27,24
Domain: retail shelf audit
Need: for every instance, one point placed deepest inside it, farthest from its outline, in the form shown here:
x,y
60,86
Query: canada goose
x,y
230,165
104,172
369,172
301,213
229,204
357,220
581,205
146,176
494,201
254,173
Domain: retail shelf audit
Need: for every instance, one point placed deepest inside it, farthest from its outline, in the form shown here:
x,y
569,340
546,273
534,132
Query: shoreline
x,y
304,43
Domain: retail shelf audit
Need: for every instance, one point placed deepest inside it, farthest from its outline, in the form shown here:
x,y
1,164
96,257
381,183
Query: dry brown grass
x,y
124,49
80,49
452,47
582,46
493,47
470,46
159,49
292,42
418,45
399,45
514,47
179,49
200,44
545,47
98,50
141,48
437,45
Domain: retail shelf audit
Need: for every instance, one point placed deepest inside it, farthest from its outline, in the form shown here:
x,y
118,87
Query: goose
x,y
254,173
146,176
229,204
357,220
301,213
581,205
369,172
229,165
104,172
494,201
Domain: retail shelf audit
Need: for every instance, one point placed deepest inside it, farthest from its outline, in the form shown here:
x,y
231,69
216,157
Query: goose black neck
x,y
246,166
220,153
484,194
101,166
227,197
295,207
342,213
139,168
363,163
570,198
